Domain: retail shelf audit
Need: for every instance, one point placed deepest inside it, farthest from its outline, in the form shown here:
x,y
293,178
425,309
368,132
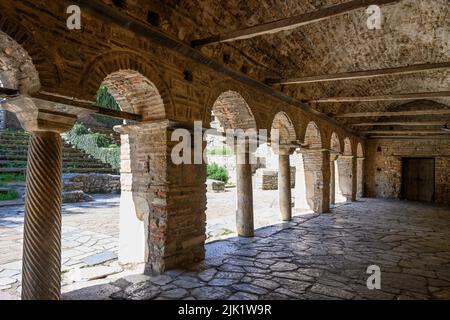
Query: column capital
x,y
37,115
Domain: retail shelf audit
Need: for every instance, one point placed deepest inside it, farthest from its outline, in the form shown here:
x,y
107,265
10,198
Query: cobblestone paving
x,y
87,229
314,257
90,231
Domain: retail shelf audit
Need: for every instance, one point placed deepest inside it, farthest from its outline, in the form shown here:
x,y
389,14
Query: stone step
x,y
86,164
65,170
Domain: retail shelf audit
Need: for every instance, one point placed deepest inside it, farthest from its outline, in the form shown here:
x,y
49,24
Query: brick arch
x,y
348,147
36,46
360,150
282,122
233,111
112,62
335,143
313,136
17,67
229,86
136,94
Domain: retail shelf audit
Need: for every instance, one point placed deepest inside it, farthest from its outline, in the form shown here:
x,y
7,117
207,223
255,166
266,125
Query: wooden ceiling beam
x,y
400,123
394,113
290,23
389,97
394,132
363,74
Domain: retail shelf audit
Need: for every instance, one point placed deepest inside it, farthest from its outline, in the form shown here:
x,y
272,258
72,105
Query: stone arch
x,y
118,62
313,137
49,75
17,68
283,123
335,143
218,91
134,93
348,147
360,150
233,111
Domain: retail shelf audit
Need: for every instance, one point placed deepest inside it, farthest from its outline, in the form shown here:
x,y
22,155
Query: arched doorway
x,y
283,137
313,159
336,195
232,116
140,169
346,174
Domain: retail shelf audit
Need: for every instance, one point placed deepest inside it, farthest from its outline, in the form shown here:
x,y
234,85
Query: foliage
x,y
106,100
98,145
216,172
9,177
8,195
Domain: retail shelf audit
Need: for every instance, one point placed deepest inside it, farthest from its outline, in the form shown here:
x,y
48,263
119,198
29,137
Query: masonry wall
x,y
384,166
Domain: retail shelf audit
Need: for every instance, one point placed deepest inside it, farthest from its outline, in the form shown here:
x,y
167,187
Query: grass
x,y
8,195
10,177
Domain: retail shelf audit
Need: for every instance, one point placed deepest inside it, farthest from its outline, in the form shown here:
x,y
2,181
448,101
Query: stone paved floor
x,y
90,234
314,257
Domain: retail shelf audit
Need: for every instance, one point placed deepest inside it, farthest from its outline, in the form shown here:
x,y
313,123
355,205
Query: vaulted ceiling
x,y
412,32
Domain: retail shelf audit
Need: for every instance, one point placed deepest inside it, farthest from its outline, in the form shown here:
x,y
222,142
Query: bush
x,y
98,145
216,172
8,195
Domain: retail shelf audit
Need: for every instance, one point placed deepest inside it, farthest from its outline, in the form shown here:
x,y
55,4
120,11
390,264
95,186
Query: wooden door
x,y
418,179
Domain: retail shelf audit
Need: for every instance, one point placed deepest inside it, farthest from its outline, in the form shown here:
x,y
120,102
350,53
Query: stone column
x,y
244,190
41,271
347,176
284,187
360,177
317,176
41,274
332,183
284,182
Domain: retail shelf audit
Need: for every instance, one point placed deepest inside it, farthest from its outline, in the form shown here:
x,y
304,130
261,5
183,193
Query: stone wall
x,y
92,183
267,179
384,166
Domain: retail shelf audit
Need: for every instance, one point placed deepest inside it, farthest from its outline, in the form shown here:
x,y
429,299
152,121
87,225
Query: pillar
x,y
332,183
348,176
41,274
134,209
360,177
244,190
317,176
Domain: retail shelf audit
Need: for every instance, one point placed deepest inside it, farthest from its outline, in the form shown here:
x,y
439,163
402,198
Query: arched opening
x,y
346,174
313,167
336,195
360,171
283,138
228,180
141,151
17,71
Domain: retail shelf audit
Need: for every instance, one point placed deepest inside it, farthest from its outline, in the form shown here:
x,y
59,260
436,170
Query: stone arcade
x,y
350,102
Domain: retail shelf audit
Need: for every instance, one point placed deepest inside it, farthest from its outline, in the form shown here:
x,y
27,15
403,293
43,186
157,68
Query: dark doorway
x,y
418,179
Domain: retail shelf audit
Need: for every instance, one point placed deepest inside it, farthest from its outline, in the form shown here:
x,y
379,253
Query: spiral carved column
x,y
41,274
